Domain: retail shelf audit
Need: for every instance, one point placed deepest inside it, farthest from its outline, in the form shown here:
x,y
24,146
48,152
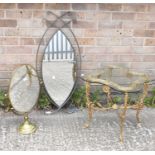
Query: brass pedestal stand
x,y
27,127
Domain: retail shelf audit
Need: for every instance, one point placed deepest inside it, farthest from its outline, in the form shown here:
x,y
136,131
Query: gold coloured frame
x,y
107,85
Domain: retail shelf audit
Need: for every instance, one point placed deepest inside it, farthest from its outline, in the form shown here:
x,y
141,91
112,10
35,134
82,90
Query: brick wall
x,y
107,34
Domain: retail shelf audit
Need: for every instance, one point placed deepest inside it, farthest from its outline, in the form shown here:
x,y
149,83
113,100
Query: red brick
x,y
100,58
37,32
145,17
123,16
12,31
8,41
38,14
110,24
107,58
84,24
5,75
18,14
58,6
144,33
110,7
108,32
150,42
1,14
8,67
4,82
8,23
14,50
2,32
96,50
27,59
151,25
121,50
86,41
142,65
83,6
104,16
90,65
77,33
132,41
9,59
24,32
149,58
36,23
134,25
90,32
91,16
114,41
7,5
131,58
134,7
151,7
27,41
30,6
2,49
148,50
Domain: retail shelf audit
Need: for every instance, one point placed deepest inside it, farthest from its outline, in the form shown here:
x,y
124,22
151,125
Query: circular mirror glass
x,y
24,89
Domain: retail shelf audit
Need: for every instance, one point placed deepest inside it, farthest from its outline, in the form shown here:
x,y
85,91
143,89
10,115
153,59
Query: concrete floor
x,y
63,131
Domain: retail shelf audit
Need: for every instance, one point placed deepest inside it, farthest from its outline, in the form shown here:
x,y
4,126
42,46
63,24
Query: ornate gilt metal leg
x,y
106,89
89,105
122,117
140,104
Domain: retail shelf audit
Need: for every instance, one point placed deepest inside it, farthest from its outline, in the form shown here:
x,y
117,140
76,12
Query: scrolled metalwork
x,y
104,77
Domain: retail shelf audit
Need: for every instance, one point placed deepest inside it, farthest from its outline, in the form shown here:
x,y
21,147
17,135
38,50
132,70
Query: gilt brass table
x,y
106,77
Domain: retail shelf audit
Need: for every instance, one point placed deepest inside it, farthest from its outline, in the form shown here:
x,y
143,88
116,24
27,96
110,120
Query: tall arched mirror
x,y
58,68
58,60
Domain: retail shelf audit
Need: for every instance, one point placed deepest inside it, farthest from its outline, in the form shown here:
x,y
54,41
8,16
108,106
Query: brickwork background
x,y
107,34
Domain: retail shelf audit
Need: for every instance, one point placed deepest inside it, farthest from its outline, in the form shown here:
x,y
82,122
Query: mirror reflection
x,y
24,89
58,68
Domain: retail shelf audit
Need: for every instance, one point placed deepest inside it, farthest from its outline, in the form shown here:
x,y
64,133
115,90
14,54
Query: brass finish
x,y
106,89
140,103
27,127
141,83
90,105
122,116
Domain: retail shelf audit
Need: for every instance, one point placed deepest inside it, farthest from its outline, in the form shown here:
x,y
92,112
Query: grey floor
x,y
63,131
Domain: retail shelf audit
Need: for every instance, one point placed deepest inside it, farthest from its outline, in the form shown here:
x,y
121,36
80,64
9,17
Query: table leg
x,y
122,117
89,104
140,104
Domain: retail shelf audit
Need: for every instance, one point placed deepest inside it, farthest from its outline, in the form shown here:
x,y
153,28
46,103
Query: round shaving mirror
x,y
23,94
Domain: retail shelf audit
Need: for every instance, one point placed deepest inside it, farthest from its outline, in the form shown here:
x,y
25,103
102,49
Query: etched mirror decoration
x,y
23,94
58,61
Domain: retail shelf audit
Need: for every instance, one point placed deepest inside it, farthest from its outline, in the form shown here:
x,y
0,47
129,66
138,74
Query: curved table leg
x,y
89,105
140,104
90,115
122,117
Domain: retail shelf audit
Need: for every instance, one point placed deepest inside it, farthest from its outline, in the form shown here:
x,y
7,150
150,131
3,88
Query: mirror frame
x,y
77,65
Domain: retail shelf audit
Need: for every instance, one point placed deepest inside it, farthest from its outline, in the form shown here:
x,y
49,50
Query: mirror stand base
x,y
27,127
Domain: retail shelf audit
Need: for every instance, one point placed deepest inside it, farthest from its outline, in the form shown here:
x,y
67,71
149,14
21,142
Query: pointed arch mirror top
x,y
59,67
